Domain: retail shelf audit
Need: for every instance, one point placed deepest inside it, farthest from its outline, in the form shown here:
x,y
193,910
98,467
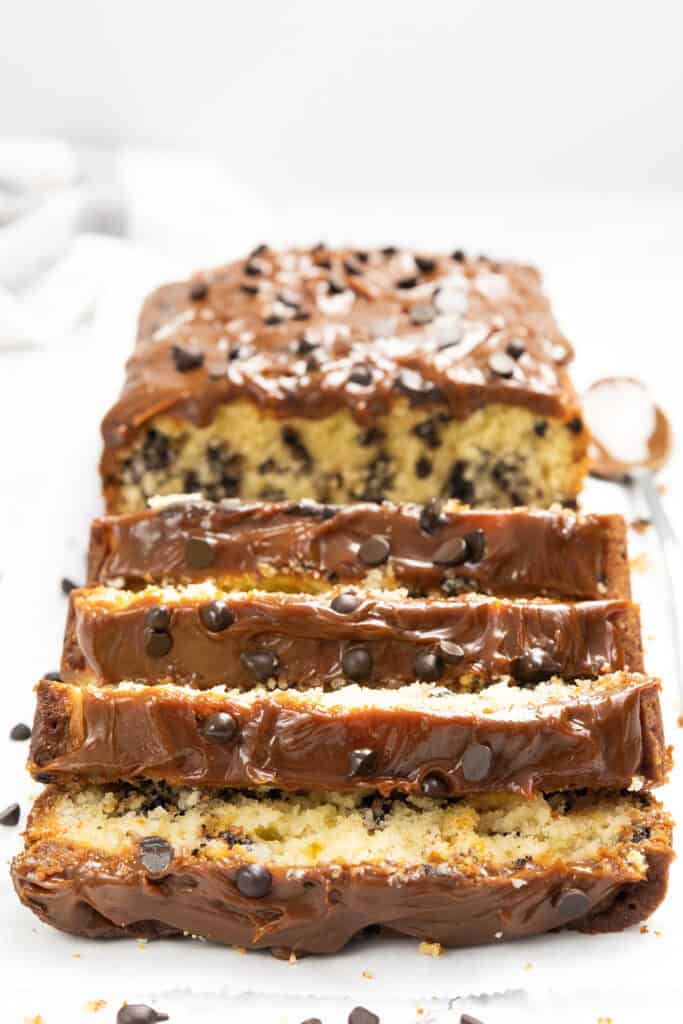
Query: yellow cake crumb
x,y
431,948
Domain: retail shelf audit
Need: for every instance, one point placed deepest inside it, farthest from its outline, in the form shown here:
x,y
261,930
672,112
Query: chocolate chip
x,y
476,762
156,854
572,903
430,516
575,425
465,1018
302,346
541,428
45,777
10,815
459,486
139,1013
335,287
407,282
423,467
258,251
249,289
216,616
425,265
434,784
157,644
422,314
640,834
200,552
221,727
252,269
515,348
68,585
198,291
362,1016
458,255
451,552
309,1020
292,438
301,314
451,652
185,360
501,364
375,550
273,320
158,619
357,664
254,881
54,677
428,666
373,435
344,604
534,666
352,268
20,731
261,664
389,250
362,762
476,545
417,389
361,375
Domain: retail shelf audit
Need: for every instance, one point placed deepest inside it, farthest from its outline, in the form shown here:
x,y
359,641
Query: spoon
x,y
631,440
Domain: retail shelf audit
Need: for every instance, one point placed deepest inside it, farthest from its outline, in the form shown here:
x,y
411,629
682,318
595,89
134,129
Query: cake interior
x,y
500,455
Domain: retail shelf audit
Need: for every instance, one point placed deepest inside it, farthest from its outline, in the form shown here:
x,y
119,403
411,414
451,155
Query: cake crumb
x,y
605,1020
658,933
292,958
141,943
644,929
34,1020
240,949
368,975
93,1005
641,525
431,949
639,564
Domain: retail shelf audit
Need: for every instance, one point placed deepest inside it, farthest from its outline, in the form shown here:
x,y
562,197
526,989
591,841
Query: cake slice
x,y
604,733
202,636
307,873
344,376
438,548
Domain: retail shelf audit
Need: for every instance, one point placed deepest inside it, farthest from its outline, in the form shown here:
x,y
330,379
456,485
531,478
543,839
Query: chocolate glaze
x,y
302,356
312,643
525,552
320,909
599,737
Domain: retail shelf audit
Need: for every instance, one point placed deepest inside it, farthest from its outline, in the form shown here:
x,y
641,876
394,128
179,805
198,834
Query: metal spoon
x,y
631,441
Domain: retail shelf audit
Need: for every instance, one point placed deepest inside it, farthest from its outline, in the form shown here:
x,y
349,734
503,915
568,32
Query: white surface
x,y
613,272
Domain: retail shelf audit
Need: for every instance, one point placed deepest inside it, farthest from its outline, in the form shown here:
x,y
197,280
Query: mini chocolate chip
x,y
261,664
357,663
200,552
335,287
423,467
501,364
221,727
422,314
198,291
185,360
10,815
465,1018
254,881
451,652
344,604
640,834
428,666
362,1016
476,545
476,762
157,644
534,666
252,269
389,250
425,265
407,282
20,731
156,854
273,320
451,552
68,585
575,425
54,677
158,619
45,777
430,516
434,784
362,762
139,1013
515,348
302,346
301,314
375,550
458,255
249,289
373,435
361,255
541,428
361,375
573,903
216,616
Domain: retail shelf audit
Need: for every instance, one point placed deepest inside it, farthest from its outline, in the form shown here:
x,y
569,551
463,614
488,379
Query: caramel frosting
x,y
604,734
201,636
306,332
304,545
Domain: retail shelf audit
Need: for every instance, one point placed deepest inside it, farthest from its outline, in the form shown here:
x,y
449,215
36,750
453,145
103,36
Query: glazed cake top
x,y
305,332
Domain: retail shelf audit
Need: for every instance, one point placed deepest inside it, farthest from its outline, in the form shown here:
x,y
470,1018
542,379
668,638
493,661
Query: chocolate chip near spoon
x,y
10,815
20,731
139,1013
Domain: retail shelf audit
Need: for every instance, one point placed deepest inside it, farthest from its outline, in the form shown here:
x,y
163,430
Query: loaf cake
x,y
344,375
306,873
605,734
201,636
440,548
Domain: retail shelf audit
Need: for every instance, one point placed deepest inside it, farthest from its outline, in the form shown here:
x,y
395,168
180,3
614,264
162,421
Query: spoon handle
x,y
673,567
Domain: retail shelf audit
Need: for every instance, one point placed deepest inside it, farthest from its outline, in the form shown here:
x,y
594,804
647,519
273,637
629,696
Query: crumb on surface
x,y
641,525
431,948
93,1005
368,975
639,564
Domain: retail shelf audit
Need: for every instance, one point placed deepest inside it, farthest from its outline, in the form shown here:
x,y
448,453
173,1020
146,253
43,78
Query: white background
x,y
550,132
